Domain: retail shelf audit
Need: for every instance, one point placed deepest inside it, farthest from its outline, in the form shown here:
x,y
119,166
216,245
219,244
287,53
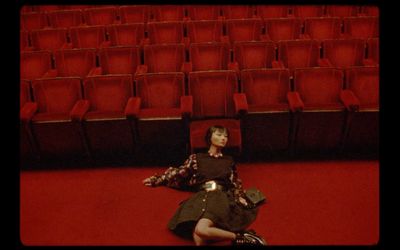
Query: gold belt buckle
x,y
211,186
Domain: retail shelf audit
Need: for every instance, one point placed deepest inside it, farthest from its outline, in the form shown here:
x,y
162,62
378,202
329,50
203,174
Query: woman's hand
x,y
243,201
147,182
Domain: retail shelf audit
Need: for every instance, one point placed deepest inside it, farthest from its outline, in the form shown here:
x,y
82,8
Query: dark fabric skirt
x,y
218,206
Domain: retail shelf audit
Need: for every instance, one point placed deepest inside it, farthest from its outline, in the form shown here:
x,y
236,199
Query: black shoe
x,y
248,238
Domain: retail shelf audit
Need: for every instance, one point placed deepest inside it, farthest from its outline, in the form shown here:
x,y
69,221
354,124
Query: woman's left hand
x,y
243,201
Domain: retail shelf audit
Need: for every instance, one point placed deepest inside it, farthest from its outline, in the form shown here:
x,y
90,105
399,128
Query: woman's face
x,y
219,139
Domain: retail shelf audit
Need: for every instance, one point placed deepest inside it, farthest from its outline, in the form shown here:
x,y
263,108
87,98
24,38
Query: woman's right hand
x,y
147,182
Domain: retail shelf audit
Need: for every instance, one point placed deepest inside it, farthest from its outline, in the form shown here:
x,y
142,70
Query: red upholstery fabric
x,y
295,102
187,106
160,90
33,21
344,52
164,58
203,12
65,18
253,54
244,29
75,62
168,12
87,36
24,93
322,27
361,27
212,93
341,10
237,11
119,60
49,39
204,31
134,13
265,87
299,53
318,86
272,11
56,95
283,28
370,10
308,10
240,102
373,49
128,34
364,83
157,113
209,56
23,40
198,131
101,16
165,32
133,107
34,64
27,111
349,100
108,93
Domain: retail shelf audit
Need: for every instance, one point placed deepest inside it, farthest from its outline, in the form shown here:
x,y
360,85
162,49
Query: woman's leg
x,y
205,231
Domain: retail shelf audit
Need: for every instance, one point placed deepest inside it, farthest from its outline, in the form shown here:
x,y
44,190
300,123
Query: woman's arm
x,y
173,177
237,187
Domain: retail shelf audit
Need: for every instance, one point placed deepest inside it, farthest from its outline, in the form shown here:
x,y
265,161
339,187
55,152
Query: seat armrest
x,y
187,106
132,107
79,110
295,102
186,67
349,100
96,71
141,69
27,111
234,66
241,105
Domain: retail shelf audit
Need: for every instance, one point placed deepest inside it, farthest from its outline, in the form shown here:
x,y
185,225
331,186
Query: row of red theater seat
x,y
201,31
323,110
40,16
132,60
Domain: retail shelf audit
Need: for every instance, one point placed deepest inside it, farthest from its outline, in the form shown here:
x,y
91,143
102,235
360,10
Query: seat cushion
x,y
174,113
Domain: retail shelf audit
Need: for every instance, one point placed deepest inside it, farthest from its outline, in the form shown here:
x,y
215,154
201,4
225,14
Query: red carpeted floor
x,y
309,203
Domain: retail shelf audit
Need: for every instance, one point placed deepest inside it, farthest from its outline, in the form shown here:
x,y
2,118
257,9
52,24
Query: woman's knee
x,y
202,227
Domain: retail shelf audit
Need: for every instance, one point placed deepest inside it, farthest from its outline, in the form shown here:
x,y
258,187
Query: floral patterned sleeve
x,y
175,177
237,185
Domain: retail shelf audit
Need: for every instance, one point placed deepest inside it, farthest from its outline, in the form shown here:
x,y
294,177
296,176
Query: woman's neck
x,y
214,151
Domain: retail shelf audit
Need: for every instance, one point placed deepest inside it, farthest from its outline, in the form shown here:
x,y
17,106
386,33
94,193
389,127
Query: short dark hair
x,y
212,129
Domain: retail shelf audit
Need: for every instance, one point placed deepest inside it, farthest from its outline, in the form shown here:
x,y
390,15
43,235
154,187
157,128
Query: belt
x,y
212,186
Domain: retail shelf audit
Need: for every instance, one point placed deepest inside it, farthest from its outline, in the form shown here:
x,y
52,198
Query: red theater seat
x,y
35,64
253,55
298,54
65,18
272,11
101,16
160,109
167,12
372,52
24,41
203,12
320,28
361,27
89,37
208,56
266,126
165,32
27,108
215,101
321,124
342,10
369,10
50,39
107,122
134,13
128,34
244,30
303,11
237,11
283,28
363,133
163,58
343,53
204,31
76,62
52,128
33,20
119,60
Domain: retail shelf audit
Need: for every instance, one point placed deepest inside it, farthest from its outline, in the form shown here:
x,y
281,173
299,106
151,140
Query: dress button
x,y
204,199
203,210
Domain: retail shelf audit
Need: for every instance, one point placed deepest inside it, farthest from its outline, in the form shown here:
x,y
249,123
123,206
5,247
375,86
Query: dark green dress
x,y
221,207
